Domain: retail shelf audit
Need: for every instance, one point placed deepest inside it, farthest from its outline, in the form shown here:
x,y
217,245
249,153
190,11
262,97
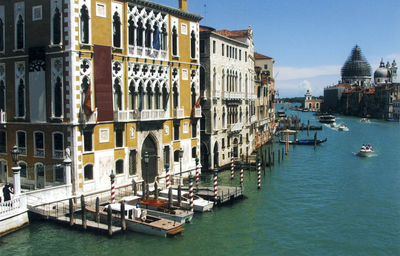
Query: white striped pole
x,y
167,180
112,177
216,185
259,174
197,173
191,192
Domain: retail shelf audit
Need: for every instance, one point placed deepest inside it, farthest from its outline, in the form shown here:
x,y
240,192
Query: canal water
x,y
326,201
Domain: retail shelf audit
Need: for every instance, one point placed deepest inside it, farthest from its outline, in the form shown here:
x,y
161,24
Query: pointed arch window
x,y
117,95
21,99
20,33
193,45
174,41
148,35
2,96
193,95
131,31
139,35
1,35
84,29
175,96
57,27
157,96
156,37
165,97
141,96
58,98
132,96
149,98
164,38
116,30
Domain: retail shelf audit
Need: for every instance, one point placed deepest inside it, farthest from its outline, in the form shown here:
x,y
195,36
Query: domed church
x,y
386,74
356,70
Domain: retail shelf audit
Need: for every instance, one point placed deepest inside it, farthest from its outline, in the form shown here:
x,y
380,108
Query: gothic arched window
x,y
148,35
176,96
84,25
21,99
193,94
117,95
132,96
174,41
157,95
139,34
156,37
57,27
141,96
165,97
20,33
131,31
58,98
164,38
193,45
116,30
1,35
2,96
149,94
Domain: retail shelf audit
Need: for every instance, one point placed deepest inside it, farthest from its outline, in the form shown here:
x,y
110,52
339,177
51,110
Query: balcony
x,y
179,113
125,115
253,119
3,117
144,52
235,127
153,114
217,94
39,152
58,153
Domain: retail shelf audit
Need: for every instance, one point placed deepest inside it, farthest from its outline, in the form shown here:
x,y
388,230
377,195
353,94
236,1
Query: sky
x,y
310,40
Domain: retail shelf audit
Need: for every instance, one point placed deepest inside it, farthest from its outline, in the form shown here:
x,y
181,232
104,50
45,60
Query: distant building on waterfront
x,y
311,103
111,80
357,95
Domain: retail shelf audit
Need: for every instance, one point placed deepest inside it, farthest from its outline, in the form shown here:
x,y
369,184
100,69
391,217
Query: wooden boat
x,y
304,141
199,204
138,220
327,119
160,208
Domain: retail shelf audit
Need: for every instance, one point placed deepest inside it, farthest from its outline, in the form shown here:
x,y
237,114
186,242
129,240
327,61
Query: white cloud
x,y
289,73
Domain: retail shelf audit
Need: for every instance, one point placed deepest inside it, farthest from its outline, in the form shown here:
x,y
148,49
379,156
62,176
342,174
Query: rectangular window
x,y
223,143
266,66
240,54
223,48
88,141
202,46
119,138
214,43
228,53
101,10
176,131
59,174
39,144
245,56
166,155
194,129
132,162
3,142
228,142
21,142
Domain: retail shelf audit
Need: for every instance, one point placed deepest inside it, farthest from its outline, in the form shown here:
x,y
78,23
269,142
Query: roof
x,y
259,56
233,33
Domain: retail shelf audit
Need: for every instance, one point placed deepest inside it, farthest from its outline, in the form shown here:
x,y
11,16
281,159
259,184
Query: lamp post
x,y
180,165
16,171
146,161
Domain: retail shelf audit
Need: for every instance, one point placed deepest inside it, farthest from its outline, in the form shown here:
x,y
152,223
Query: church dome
x,y
356,65
382,71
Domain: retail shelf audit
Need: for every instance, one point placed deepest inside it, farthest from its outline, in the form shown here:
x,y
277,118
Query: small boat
x,y
139,220
342,127
305,141
160,208
327,119
281,114
333,125
199,204
364,120
365,151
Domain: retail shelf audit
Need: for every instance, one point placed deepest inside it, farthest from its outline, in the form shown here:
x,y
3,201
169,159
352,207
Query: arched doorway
x,y
205,161
215,151
149,171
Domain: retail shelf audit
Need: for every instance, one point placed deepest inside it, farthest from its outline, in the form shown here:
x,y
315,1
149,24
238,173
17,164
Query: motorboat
x,y
138,220
364,120
160,208
327,119
333,125
281,114
366,150
199,204
342,127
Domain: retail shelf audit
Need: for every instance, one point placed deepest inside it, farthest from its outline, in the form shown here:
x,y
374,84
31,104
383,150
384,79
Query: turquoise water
x,y
326,201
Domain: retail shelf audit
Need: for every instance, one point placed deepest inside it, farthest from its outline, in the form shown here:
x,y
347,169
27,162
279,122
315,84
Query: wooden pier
x,y
225,193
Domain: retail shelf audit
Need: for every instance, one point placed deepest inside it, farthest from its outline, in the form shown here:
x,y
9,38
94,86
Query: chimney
x,y
183,5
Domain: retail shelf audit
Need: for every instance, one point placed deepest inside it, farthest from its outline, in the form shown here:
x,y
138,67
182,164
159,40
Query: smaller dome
x,y
382,71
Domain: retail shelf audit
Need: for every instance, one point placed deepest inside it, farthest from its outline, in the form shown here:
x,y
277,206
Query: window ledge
x,y
88,181
87,152
56,45
19,50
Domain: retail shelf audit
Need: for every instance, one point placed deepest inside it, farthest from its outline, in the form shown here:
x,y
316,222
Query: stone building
x,y
264,104
227,88
111,80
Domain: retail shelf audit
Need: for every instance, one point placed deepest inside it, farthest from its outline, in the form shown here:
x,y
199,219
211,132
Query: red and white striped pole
x,y
197,173
167,180
216,185
112,178
241,175
259,174
232,167
191,192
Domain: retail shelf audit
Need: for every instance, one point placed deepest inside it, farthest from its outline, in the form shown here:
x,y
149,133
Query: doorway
x,y
150,170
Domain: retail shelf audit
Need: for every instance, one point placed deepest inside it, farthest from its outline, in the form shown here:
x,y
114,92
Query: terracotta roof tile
x,y
233,33
259,56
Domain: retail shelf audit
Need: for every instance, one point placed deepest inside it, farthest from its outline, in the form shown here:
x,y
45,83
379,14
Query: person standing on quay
x,y
7,191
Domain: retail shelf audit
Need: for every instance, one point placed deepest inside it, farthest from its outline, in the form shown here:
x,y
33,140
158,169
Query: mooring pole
x,y
216,185
155,190
191,192
109,220
71,212
179,195
123,222
170,197
167,178
259,174
197,174
112,178
83,209
97,215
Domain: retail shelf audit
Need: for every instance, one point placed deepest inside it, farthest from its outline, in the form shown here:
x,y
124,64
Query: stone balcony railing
x,y
125,115
153,114
217,94
237,127
13,207
92,119
144,115
253,119
234,95
144,52
3,117
179,113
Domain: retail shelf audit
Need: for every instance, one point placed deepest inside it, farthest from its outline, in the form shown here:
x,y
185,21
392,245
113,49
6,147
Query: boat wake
x,y
364,156
337,127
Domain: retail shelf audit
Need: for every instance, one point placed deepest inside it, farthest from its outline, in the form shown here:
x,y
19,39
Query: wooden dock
x,y
225,193
91,225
